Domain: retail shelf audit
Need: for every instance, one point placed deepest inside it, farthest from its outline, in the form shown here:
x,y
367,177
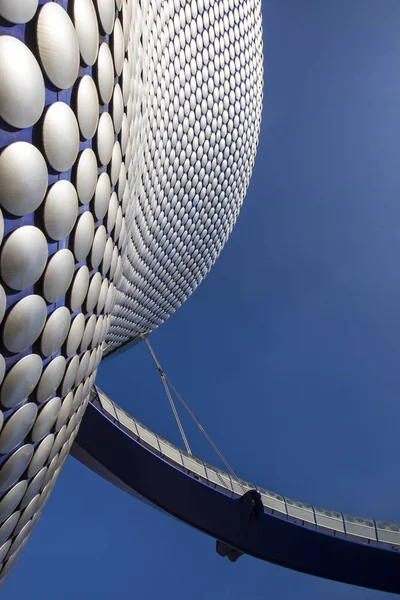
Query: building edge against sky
x,y
128,133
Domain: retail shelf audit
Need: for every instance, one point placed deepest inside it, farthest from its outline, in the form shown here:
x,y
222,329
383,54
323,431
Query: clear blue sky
x,y
288,352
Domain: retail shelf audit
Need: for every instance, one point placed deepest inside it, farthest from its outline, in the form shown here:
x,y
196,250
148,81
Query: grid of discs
x,y
62,176
195,97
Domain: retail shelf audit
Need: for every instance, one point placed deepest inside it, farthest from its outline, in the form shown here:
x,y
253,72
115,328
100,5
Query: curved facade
x,y
128,132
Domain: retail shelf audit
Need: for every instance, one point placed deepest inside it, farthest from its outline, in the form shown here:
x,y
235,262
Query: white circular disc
x,y
11,500
55,331
21,380
83,235
105,73
46,419
18,11
89,332
86,175
17,427
116,160
107,257
8,526
106,10
79,288
24,323
98,246
58,45
83,367
105,138
93,292
113,262
85,21
14,466
70,375
60,209
103,296
50,379
37,471
22,90
117,108
23,257
87,102
58,275
23,178
75,334
2,368
65,411
29,512
60,134
112,212
124,133
102,195
118,47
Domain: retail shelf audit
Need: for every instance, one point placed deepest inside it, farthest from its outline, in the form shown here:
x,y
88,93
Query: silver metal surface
x,y
102,195
17,427
23,257
85,20
60,209
87,103
23,177
58,275
83,235
35,469
105,138
50,379
58,47
118,47
112,212
116,161
11,499
60,134
86,175
24,323
46,419
93,291
117,108
106,10
65,411
98,246
107,256
70,375
105,73
21,380
79,288
15,465
89,332
28,513
8,526
18,11
55,331
22,91
75,334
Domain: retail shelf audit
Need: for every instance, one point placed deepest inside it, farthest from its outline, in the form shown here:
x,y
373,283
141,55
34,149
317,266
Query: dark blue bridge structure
x,y
243,518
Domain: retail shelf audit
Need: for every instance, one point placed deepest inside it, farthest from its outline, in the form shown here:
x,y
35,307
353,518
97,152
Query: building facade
x,y
128,132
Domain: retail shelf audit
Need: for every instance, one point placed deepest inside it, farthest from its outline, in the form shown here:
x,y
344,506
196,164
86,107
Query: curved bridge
x,y
363,552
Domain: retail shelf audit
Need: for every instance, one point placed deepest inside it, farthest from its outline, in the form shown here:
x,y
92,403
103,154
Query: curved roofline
x,y
362,552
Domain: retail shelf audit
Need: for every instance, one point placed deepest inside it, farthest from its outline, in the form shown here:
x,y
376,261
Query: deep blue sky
x,y
288,352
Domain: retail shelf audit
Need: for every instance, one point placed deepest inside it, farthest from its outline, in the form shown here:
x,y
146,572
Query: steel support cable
x,y
163,379
205,434
166,381
171,401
